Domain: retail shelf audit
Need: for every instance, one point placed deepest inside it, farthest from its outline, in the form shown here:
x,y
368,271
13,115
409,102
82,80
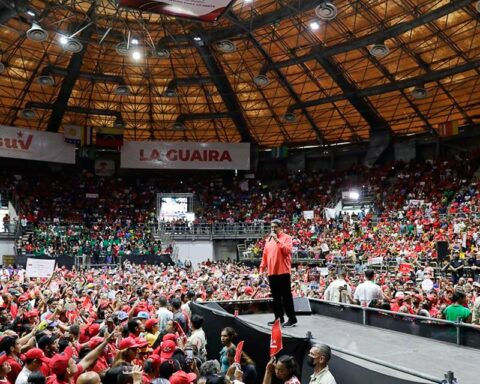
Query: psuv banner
x,y
203,10
185,155
35,145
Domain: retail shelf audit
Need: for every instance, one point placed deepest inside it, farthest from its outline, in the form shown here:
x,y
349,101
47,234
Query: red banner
x,y
276,343
405,268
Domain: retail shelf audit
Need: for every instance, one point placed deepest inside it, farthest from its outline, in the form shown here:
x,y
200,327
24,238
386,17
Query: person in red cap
x,y
101,364
34,358
128,351
167,349
181,377
152,328
63,367
11,346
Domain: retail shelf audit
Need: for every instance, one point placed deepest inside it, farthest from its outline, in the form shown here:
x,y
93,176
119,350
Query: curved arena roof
x,y
270,72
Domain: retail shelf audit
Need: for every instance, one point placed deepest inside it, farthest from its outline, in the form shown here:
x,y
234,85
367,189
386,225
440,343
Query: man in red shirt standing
x,y
277,260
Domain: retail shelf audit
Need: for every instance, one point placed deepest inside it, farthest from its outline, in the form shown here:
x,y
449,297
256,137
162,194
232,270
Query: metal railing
x,y
214,231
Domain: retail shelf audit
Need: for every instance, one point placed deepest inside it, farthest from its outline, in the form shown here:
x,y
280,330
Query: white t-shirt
x,y
333,293
367,292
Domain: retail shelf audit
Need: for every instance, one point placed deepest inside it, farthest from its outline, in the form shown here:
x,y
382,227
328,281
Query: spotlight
x,y
136,55
63,40
314,26
197,38
37,33
31,13
261,80
290,117
419,92
28,113
326,11
2,67
379,50
134,41
122,90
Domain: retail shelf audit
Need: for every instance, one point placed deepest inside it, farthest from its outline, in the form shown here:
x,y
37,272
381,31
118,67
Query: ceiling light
x,y
2,67
261,80
326,11
136,55
170,93
314,26
178,127
379,50
226,46
290,117
163,53
134,41
197,38
63,40
122,48
122,90
248,1
46,80
477,6
28,113
31,13
37,33
71,44
419,92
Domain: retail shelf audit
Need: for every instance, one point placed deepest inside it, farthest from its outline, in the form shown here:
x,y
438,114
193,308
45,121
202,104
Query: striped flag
x,y
449,128
74,134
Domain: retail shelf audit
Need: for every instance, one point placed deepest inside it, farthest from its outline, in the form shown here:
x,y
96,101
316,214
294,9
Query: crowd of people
x,y
131,324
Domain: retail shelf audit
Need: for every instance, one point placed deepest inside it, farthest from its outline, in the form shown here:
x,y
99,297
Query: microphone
x,y
271,235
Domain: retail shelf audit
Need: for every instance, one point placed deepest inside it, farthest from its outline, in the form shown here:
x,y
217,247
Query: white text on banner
x,y
185,155
35,145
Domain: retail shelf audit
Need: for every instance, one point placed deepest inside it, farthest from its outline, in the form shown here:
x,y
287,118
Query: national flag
x,y
77,135
276,343
449,128
280,152
238,352
180,331
109,137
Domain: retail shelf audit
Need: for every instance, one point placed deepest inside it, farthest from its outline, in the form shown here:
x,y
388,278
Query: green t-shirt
x,y
455,311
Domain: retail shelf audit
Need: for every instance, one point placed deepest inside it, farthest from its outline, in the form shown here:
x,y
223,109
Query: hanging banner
x,y
185,155
203,10
35,145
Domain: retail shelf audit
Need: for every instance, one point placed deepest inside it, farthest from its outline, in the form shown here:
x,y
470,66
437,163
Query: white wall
x,y
6,248
196,251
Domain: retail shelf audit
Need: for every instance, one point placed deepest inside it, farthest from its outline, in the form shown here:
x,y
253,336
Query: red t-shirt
x,y
16,368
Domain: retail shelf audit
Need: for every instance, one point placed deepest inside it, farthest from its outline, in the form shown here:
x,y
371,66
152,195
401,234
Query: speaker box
x,y
302,305
442,250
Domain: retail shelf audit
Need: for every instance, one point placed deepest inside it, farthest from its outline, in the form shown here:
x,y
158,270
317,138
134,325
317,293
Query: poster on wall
x,y
202,10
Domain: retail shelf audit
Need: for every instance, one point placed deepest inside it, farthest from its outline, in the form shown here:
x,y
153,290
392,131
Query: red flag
x,y
405,267
180,331
238,352
276,344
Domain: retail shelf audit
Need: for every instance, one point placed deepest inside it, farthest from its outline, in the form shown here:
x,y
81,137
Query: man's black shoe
x,y
289,324
273,322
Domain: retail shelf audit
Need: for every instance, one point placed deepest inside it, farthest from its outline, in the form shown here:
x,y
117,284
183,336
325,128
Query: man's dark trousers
x,y
280,286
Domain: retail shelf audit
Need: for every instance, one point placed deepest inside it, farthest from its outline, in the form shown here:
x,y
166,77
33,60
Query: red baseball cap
x,y
3,358
168,349
36,353
32,313
93,329
131,342
170,336
95,342
181,377
149,324
59,362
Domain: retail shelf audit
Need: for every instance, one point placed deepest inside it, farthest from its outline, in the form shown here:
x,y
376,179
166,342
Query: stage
x,y
419,354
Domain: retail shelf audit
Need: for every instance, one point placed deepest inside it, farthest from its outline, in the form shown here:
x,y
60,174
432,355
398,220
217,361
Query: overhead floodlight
x,y
477,6
290,117
197,38
314,26
178,126
226,46
261,80
134,41
248,1
46,80
136,55
37,33
163,53
326,11
28,113
72,45
354,195
419,92
122,48
170,93
122,90
63,40
31,13
379,50
2,67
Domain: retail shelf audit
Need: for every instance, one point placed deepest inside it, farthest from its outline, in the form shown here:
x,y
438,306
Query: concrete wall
x,y
6,248
226,249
